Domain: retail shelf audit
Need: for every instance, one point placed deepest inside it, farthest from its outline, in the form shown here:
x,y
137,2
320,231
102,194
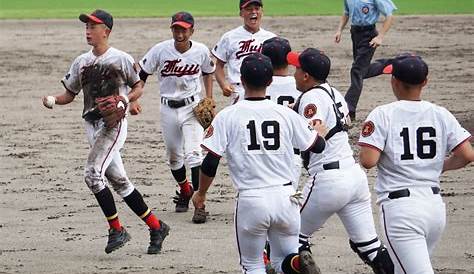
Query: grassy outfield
x,y
25,9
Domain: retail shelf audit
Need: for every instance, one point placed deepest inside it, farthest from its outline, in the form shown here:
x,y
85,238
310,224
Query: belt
x,y
406,193
287,184
362,28
332,165
177,103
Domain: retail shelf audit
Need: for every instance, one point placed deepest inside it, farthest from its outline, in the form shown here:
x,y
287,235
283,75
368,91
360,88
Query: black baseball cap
x,y
277,48
98,17
256,70
408,68
182,19
244,3
312,61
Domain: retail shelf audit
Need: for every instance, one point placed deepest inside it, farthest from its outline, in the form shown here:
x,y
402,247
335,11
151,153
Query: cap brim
x,y
90,18
293,59
251,2
182,24
388,69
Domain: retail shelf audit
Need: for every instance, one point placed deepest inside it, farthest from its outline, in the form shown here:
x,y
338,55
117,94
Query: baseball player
x,y
180,62
104,163
407,140
258,137
337,184
282,90
235,44
363,15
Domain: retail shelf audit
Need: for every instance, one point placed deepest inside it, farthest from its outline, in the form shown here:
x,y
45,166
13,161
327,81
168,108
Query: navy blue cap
x,y
183,19
256,70
98,17
244,3
312,61
408,68
277,49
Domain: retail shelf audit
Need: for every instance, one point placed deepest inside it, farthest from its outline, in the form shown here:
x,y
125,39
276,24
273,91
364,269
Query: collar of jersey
x,y
255,98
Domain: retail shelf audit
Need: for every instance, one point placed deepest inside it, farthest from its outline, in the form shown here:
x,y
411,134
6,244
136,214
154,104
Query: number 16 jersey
x,y
258,137
414,138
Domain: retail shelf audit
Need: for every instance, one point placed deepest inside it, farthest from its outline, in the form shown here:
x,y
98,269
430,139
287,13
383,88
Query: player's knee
x,y
94,180
122,186
175,164
381,263
290,264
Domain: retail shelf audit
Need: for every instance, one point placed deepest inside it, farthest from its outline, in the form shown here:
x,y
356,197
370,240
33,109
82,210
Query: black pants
x,y
362,53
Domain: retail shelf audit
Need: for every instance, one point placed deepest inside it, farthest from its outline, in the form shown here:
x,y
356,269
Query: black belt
x,y
362,28
287,184
177,103
406,193
332,165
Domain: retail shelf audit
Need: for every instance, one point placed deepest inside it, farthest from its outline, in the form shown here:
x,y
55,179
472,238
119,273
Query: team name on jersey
x,y
171,68
246,48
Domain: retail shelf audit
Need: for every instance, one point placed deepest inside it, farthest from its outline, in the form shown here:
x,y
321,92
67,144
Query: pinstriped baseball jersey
x,y
235,45
112,59
258,138
414,137
178,73
316,104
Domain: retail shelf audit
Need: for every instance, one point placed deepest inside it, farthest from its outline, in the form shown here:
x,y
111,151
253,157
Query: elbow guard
x,y
209,165
318,145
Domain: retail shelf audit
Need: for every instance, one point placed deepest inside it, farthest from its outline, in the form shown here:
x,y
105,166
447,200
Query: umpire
x,y
365,39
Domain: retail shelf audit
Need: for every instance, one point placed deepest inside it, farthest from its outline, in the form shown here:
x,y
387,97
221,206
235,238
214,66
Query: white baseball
x,y
50,101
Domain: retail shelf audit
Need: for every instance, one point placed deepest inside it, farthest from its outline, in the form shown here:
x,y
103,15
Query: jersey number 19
x,y
271,133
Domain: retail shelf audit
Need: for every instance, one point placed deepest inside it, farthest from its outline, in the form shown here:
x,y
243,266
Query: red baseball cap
x,y
312,61
244,3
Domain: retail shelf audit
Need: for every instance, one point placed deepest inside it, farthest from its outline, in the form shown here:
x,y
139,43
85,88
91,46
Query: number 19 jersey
x,y
258,138
414,138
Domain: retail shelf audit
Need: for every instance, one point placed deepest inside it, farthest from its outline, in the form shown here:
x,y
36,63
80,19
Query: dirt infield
x,y
51,223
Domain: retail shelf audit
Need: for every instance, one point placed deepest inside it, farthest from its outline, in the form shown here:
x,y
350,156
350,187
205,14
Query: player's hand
x,y
320,127
199,199
227,90
135,108
376,41
337,36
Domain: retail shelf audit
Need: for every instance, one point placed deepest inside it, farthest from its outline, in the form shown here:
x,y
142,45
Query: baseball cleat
x,y
157,236
200,215
307,264
117,239
182,201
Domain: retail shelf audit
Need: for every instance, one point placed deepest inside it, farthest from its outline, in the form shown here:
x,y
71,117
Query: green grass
x,y
24,9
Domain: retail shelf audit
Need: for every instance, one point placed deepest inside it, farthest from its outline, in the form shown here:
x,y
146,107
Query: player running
x,y
407,140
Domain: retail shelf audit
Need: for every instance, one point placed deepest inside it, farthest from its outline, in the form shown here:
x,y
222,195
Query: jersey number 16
x,y
421,144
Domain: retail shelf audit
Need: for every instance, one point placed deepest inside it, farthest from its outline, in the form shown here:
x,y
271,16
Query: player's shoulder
x,y
233,32
199,46
120,53
264,32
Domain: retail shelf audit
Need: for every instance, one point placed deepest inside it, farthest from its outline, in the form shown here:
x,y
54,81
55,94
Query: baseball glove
x,y
112,108
205,111
101,80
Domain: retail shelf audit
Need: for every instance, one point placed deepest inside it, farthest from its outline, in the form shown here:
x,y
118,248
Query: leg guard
x,y
381,264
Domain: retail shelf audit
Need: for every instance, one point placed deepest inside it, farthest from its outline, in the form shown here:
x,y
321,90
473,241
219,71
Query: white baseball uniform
x,y
414,138
232,48
258,137
337,184
104,156
283,91
180,90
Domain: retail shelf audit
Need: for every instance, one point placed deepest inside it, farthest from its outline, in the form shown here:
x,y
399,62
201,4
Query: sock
x,y
185,188
179,174
107,204
152,221
195,177
135,201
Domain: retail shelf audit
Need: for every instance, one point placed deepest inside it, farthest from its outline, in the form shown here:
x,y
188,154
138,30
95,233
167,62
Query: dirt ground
x,y
51,223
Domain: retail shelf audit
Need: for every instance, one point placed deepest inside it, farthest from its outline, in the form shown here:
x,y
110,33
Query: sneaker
x,y
200,215
116,239
307,264
157,236
182,201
